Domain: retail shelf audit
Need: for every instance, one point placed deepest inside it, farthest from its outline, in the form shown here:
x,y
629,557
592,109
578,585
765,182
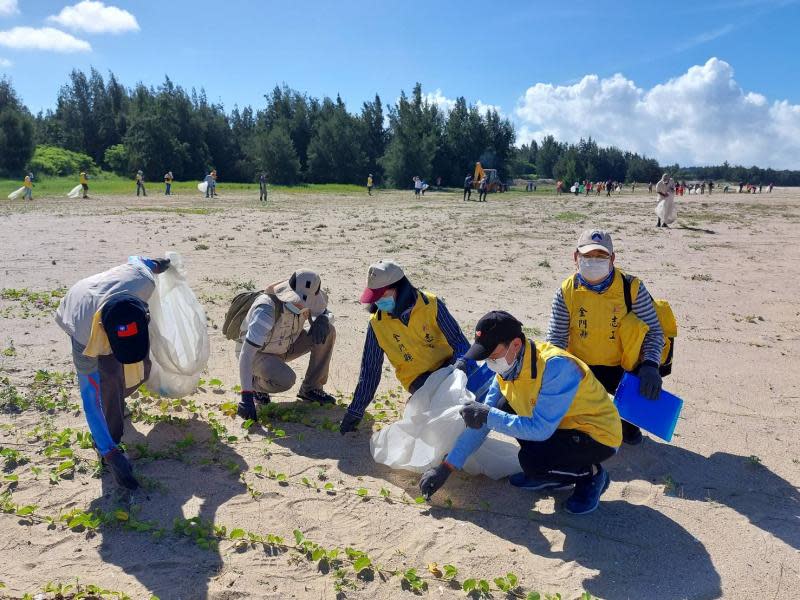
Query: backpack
x,y
240,306
668,325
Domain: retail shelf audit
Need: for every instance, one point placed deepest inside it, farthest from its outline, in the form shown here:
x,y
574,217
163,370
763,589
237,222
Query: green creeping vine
x,y
208,535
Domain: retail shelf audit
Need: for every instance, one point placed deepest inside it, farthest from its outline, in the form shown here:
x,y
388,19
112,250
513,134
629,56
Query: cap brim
x,y
590,247
285,293
368,296
478,352
131,351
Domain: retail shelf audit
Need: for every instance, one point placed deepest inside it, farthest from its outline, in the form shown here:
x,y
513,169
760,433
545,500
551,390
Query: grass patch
x,y
570,216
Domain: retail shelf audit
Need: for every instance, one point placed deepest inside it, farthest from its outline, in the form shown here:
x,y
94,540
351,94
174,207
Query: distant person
x,y
741,185
760,187
581,188
703,188
665,209
209,180
483,188
650,188
27,183
140,183
633,188
262,187
771,185
370,183
710,187
417,185
468,187
213,183
609,188
84,180
559,185
588,187
168,178
725,189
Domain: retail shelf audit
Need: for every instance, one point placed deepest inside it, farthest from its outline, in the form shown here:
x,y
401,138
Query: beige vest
x,y
286,329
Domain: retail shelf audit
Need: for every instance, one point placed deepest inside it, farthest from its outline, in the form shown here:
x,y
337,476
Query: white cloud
x,y
702,117
8,8
44,38
92,16
447,104
5,63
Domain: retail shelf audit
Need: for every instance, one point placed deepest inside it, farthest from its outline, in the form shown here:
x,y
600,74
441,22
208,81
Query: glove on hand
x,y
649,381
349,423
247,406
461,365
433,479
161,265
474,414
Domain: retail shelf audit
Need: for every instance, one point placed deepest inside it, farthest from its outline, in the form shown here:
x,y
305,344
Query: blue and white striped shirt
x,y
643,307
372,358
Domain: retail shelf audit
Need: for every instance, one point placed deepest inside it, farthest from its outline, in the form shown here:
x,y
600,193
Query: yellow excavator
x,y
492,179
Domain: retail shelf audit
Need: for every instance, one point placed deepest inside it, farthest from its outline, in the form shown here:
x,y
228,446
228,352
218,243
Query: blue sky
x,y
495,53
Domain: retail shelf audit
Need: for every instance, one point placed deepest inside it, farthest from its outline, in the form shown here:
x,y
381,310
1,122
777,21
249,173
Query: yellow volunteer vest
x,y
416,349
591,411
84,179
594,320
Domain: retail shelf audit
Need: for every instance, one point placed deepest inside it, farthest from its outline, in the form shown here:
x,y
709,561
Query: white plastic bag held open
x,y
179,346
431,425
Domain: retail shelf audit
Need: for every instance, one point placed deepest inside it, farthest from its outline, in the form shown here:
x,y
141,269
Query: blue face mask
x,y
385,304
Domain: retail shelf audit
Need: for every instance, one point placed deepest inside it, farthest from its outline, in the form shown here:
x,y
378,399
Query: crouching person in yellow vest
x,y
106,317
590,319
562,417
414,330
273,333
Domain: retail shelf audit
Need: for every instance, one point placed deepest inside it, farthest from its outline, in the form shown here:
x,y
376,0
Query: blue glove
x,y
474,414
649,381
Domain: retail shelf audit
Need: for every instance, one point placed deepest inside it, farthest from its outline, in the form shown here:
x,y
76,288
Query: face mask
x,y
499,365
592,269
385,304
292,308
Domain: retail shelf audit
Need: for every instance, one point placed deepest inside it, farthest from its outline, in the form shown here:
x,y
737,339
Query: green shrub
x,y
116,157
50,160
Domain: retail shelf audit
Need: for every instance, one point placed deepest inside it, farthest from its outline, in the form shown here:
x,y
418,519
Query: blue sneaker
x,y
534,484
586,497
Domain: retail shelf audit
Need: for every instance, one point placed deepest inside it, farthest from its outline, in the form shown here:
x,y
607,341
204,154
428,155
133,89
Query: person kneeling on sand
x,y
273,333
563,419
586,314
414,329
107,317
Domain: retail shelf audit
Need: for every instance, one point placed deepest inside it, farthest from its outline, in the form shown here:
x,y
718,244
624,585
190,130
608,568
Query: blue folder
x,y
659,417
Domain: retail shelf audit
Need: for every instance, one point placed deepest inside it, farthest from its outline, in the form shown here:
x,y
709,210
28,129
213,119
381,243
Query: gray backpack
x,y
240,306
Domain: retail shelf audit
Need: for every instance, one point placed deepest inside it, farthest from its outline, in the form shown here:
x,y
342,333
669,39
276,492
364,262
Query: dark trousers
x,y
567,455
140,186
610,377
467,193
262,192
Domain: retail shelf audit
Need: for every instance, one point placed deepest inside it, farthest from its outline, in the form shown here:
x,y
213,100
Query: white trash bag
x,y
179,346
76,191
16,193
202,186
430,427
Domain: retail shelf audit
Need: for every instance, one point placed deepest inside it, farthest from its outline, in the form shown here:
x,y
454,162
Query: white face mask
x,y
499,365
594,269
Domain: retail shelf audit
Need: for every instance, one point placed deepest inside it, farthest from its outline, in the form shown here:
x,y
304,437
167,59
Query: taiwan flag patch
x,y
129,330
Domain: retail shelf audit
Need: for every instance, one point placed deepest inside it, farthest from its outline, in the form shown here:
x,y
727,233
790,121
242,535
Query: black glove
x,y
247,406
349,423
474,414
461,365
161,265
433,479
649,381
320,328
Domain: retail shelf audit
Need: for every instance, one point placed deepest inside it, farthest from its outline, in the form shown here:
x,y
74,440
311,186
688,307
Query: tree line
x,y
296,138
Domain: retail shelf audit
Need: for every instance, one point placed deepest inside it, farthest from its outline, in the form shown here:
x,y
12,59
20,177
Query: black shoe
x,y
319,396
631,434
121,469
261,398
